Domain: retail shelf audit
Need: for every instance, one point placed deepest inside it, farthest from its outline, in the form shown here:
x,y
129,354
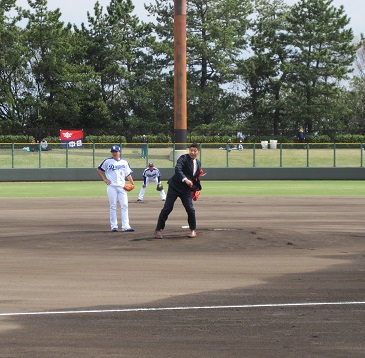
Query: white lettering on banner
x,y
73,144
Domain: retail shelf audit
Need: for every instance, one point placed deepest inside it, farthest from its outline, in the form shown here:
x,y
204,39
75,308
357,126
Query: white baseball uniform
x,y
151,176
116,171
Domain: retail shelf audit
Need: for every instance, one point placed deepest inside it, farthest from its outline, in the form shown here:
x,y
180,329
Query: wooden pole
x,y
180,91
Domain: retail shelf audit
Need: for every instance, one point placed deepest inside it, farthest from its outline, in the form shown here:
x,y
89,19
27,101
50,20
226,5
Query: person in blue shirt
x,y
301,135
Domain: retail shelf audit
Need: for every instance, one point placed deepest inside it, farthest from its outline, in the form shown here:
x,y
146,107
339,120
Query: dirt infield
x,y
265,277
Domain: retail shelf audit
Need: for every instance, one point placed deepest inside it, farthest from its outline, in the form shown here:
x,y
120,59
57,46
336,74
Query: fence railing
x,y
164,155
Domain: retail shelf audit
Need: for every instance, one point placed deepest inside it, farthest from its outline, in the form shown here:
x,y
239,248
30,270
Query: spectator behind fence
x,y
301,135
44,144
229,145
34,146
144,142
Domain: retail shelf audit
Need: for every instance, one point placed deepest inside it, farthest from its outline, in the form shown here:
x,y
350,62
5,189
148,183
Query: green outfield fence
x,y
235,155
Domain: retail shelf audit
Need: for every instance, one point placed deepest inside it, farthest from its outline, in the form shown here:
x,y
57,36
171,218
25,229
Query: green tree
x,y
115,42
13,96
264,72
52,73
216,39
321,55
356,96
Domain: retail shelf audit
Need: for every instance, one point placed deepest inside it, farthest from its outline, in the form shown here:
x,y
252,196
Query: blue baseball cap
x,y
115,148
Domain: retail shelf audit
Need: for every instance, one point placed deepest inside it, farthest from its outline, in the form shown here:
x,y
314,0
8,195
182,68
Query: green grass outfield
x,y
210,188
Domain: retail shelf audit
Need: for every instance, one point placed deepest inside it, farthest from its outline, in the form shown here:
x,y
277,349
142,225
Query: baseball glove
x,y
159,187
128,187
195,195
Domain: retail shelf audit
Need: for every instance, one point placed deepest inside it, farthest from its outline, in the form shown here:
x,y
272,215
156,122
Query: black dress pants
x,y
185,196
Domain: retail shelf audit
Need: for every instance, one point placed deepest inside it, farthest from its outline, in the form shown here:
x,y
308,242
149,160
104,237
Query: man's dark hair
x,y
194,145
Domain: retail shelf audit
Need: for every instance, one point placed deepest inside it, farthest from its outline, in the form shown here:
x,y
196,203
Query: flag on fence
x,y
74,138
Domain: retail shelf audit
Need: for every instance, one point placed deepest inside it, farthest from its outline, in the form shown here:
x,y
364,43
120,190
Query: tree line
x,y
256,67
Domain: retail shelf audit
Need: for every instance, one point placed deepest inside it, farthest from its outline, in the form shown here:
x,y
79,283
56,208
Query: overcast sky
x,y
74,11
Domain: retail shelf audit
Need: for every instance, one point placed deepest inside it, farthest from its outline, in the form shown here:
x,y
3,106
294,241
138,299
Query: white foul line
x,y
303,304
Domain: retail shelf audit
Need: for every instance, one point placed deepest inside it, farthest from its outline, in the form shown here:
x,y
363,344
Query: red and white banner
x,y
73,138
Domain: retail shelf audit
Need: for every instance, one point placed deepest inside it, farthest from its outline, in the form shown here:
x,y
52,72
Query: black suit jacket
x,y
184,169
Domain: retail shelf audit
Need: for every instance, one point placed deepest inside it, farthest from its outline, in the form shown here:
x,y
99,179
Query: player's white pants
x,y
115,194
143,190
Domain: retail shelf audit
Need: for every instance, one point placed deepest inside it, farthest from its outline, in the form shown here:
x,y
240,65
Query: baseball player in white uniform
x,y
114,172
151,175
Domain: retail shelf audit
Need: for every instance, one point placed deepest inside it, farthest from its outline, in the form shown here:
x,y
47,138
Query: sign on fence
x,y
74,138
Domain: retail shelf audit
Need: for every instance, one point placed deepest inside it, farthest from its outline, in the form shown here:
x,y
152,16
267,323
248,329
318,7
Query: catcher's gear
x,y
128,187
159,187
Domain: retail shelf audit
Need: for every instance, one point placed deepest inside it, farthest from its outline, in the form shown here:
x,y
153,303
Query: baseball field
x,y
276,270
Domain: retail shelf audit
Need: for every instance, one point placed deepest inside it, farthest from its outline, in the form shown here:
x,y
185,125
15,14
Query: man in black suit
x,y
181,185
